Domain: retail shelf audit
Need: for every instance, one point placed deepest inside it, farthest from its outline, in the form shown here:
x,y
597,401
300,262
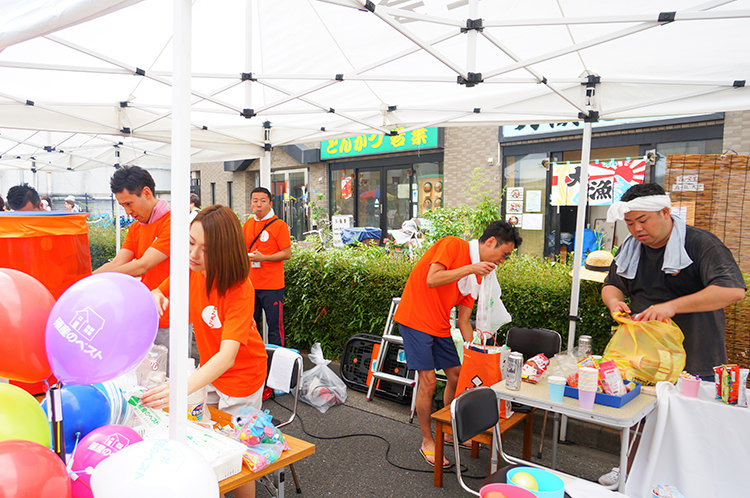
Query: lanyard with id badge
x,y
256,264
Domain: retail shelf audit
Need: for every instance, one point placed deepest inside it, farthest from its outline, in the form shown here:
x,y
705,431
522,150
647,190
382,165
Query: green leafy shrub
x,y
102,243
332,295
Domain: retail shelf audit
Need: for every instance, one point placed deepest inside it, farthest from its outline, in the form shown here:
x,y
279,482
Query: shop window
x,y
525,198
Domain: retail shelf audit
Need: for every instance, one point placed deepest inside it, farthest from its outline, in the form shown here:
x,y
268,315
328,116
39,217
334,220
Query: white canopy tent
x,y
261,73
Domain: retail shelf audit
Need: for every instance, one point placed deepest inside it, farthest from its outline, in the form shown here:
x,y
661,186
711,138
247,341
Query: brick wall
x,y
737,132
467,148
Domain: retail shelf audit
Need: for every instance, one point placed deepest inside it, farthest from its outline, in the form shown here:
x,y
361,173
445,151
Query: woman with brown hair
x,y
233,356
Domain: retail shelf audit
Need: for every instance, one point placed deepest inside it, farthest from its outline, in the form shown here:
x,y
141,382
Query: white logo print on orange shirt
x,y
211,317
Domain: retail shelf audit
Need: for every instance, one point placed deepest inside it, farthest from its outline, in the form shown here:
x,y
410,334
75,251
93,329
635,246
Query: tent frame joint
x,y
248,77
473,25
471,79
247,113
590,117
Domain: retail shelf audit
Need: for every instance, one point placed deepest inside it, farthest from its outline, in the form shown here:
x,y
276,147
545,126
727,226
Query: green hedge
x,y
102,244
332,295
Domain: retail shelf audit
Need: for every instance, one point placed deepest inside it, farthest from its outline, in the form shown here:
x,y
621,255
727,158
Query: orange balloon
x,y
494,494
25,305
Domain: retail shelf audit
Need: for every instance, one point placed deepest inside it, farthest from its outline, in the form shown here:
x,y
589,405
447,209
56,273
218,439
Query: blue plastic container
x,y
549,484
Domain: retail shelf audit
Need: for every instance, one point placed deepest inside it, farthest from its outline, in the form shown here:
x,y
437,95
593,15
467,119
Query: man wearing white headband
x,y
671,270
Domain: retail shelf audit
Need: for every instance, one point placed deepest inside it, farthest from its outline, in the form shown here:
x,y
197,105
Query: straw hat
x,y
596,266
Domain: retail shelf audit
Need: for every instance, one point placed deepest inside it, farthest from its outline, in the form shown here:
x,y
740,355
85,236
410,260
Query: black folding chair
x,y
473,412
530,342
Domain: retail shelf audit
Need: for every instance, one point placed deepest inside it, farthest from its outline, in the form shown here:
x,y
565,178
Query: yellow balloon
x,y
525,480
22,417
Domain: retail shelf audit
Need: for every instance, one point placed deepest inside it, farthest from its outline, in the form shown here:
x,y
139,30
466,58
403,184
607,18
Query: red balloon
x,y
25,305
29,470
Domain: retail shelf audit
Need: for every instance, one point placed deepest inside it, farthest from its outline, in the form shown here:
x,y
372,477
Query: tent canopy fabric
x,y
284,72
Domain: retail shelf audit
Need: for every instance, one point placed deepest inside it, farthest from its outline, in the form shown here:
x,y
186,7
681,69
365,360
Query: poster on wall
x,y
514,207
533,201
430,192
533,221
515,220
607,181
346,187
515,193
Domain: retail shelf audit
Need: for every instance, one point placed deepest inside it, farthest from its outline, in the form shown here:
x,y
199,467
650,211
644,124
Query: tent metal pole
x,y
580,226
178,263
249,6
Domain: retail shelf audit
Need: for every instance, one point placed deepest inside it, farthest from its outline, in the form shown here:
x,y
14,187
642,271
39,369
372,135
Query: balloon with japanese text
x,y
99,328
21,417
25,304
29,470
98,445
155,467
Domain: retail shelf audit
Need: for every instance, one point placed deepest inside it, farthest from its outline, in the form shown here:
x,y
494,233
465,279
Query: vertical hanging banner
x,y
607,181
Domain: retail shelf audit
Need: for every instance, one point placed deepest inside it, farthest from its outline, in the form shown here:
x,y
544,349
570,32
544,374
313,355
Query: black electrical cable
x,y
449,470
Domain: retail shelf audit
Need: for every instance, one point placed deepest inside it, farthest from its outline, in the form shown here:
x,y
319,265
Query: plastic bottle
x,y
196,402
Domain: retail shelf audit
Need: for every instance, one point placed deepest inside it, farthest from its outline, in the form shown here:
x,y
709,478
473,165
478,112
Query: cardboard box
x,y
607,399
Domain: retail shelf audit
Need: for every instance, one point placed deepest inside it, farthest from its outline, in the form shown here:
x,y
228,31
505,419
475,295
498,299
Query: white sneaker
x,y
610,478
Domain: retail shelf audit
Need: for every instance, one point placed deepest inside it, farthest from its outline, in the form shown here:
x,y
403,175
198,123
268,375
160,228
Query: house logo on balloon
x,y
87,322
82,329
113,444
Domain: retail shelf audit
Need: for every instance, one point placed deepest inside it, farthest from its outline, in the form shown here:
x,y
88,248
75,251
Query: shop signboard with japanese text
x,y
421,138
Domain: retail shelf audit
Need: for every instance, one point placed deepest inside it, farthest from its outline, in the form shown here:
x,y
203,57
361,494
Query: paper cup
x,y
588,378
556,388
690,387
586,399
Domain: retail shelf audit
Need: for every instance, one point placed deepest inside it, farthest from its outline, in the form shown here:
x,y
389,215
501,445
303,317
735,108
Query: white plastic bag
x,y
491,312
321,387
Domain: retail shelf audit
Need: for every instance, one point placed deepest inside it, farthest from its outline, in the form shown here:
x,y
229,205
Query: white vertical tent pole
x,y
178,265
580,226
249,5
471,40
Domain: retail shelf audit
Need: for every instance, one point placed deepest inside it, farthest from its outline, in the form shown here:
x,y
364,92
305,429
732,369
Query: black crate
x,y
355,364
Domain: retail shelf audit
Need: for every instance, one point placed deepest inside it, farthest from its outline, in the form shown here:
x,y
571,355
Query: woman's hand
x,y
156,397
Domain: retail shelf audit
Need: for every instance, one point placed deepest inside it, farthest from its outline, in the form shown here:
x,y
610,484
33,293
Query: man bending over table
x,y
434,287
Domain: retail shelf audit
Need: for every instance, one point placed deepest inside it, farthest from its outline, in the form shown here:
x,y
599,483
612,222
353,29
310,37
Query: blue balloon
x,y
84,409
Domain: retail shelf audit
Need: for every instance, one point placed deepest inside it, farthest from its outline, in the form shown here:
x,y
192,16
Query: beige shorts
x,y
232,405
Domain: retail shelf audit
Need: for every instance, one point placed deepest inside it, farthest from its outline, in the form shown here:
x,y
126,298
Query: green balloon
x,y
22,417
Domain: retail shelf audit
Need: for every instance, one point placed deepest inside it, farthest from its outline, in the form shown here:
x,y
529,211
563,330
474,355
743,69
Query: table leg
x,y
439,445
624,443
555,436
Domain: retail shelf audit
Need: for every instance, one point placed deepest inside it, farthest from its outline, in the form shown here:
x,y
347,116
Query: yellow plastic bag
x,y
646,352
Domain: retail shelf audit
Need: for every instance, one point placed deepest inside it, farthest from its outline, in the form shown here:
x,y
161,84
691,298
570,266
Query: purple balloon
x,y
101,326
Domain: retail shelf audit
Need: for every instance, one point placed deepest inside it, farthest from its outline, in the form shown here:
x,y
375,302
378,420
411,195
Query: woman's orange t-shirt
x,y
216,319
428,309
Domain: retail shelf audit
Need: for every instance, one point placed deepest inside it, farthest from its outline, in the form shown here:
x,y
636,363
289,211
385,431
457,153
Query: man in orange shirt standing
x,y
145,252
268,246
432,290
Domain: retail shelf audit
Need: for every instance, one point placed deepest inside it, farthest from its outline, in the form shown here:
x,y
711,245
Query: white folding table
x,y
537,395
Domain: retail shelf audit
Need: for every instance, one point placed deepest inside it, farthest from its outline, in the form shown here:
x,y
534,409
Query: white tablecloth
x,y
700,445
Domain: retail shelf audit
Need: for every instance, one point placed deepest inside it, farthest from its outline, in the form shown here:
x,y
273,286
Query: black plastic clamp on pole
x,y
392,108
125,131
267,147
48,148
370,6
248,77
140,72
738,83
471,80
477,110
30,102
247,113
592,80
666,17
574,318
393,133
591,117
473,24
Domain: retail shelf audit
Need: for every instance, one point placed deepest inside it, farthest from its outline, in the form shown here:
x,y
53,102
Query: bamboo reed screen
x,y
713,192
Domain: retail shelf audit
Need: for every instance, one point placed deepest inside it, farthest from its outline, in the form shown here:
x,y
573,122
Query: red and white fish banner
x,y
607,181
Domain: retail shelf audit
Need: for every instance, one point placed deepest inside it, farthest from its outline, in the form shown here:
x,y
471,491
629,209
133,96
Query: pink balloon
x,y
96,446
99,328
